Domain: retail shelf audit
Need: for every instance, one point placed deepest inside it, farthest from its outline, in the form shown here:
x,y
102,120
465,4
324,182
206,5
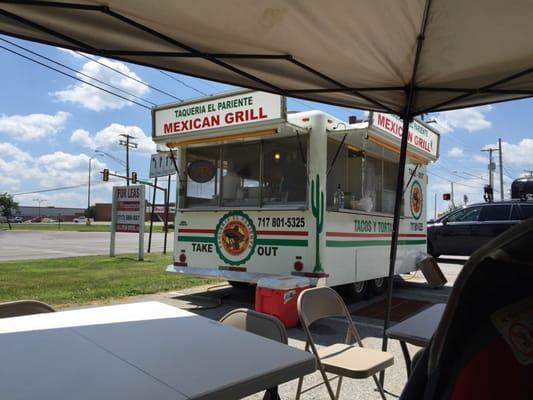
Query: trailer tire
x,y
354,291
378,286
239,285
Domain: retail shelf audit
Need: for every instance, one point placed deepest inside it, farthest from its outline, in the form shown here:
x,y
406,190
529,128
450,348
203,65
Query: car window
x,y
470,214
526,211
495,212
515,213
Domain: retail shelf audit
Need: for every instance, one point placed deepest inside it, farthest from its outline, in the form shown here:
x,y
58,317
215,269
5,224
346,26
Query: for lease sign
x,y
129,211
237,109
420,137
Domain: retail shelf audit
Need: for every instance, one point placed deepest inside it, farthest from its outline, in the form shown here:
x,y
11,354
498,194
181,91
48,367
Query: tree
x,y
7,206
90,212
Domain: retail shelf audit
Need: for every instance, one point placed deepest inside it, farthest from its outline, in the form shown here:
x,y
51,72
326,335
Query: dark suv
x,y
463,231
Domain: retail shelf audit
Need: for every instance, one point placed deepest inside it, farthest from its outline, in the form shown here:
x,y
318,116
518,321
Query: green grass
x,y
69,227
82,280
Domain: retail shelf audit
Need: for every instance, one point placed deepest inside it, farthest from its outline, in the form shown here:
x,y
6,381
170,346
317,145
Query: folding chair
x,y
23,307
342,359
259,324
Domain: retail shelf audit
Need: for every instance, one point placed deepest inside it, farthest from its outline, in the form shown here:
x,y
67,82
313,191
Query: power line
x,y
128,76
74,77
78,72
183,83
58,188
456,183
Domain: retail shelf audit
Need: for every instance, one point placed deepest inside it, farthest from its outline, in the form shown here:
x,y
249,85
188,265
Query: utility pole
x,y
435,212
491,170
453,202
128,144
501,167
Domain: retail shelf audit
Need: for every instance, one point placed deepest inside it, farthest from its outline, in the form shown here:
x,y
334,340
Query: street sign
x,y
161,164
128,211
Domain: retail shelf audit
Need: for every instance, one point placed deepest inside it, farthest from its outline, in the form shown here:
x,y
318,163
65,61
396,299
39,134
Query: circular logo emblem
x,y
235,237
201,171
417,200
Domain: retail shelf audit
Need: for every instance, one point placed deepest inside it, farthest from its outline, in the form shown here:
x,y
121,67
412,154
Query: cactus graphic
x,y
317,207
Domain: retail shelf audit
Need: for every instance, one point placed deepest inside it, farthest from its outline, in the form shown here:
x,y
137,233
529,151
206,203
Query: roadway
x,y
26,245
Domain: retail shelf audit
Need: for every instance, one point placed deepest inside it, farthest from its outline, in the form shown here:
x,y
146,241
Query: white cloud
x,y
456,152
49,170
70,52
95,99
33,126
108,138
471,119
519,154
83,138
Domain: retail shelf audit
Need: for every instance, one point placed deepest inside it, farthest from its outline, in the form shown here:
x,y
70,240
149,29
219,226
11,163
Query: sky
x,y
51,125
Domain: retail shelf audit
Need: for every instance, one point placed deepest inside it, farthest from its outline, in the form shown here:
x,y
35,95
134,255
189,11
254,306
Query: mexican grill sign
x,y
420,138
236,109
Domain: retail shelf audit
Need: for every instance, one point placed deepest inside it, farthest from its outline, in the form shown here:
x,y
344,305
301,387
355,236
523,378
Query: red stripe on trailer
x,y
283,233
191,230
372,235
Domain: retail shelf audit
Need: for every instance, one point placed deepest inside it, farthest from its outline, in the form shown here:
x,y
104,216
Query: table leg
x,y
407,358
271,394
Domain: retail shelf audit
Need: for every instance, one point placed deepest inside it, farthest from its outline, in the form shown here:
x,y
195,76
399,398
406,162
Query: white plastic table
x,y
417,330
134,351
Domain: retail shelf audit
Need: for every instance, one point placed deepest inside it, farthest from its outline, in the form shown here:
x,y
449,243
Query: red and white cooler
x,y
278,296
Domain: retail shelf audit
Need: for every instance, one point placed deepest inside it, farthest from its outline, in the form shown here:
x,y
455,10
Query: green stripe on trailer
x,y
260,242
364,243
282,242
196,239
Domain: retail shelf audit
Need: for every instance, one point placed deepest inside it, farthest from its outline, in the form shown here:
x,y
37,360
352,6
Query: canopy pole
x,y
395,230
407,116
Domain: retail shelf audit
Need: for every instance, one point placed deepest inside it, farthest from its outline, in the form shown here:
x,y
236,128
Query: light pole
x,y
89,184
121,162
39,201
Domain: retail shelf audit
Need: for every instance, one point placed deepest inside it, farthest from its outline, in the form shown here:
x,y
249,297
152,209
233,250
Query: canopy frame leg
x,y
407,117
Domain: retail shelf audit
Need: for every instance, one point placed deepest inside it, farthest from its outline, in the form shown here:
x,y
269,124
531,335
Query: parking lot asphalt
x,y
25,245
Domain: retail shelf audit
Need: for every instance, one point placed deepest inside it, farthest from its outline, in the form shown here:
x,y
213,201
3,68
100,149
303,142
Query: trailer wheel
x,y
360,290
378,286
238,284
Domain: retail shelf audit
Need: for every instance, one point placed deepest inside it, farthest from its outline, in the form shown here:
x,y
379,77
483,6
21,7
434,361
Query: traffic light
x,y
105,175
446,196
134,178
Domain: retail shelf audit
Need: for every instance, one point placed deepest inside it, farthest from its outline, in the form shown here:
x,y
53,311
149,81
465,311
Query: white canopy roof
x,y
361,54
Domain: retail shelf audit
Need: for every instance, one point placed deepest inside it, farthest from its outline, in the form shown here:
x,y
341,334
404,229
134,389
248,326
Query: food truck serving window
x,y
268,173
367,180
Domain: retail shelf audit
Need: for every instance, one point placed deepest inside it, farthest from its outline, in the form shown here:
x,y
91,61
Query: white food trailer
x,y
256,192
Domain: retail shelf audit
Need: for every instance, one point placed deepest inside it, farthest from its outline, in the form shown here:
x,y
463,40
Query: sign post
x,y
128,212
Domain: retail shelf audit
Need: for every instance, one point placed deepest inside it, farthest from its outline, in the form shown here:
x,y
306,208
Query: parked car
x,y
16,220
463,231
82,220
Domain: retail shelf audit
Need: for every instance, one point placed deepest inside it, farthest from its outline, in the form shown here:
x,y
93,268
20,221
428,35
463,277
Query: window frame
x,y
304,205
381,158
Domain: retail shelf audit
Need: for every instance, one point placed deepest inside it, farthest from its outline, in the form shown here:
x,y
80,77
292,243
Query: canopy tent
x,y
404,57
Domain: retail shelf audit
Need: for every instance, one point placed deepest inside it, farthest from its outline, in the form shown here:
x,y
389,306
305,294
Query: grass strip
x,y
83,280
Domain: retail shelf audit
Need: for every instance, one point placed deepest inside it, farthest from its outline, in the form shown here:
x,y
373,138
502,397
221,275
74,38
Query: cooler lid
x,y
283,282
